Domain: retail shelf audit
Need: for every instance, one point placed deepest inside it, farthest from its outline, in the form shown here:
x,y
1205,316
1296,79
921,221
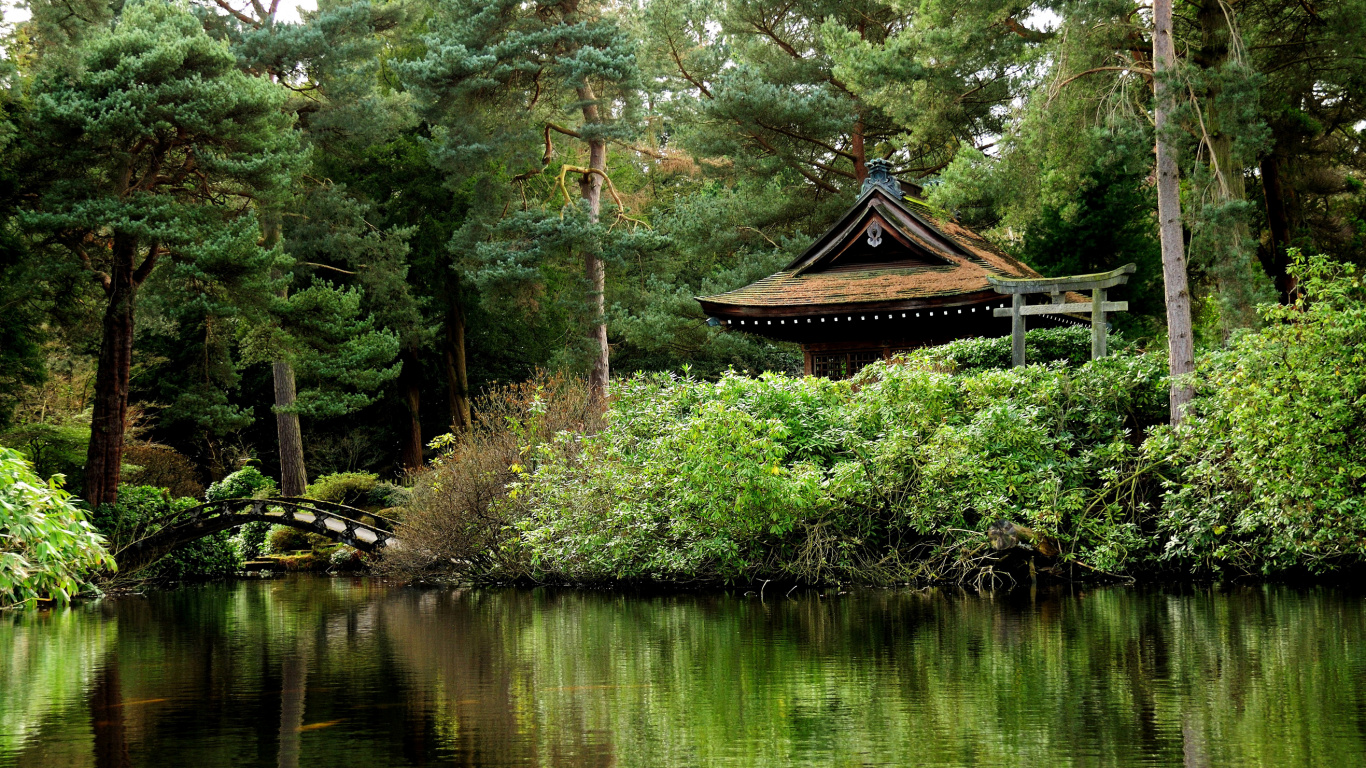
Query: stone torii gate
x,y
1056,287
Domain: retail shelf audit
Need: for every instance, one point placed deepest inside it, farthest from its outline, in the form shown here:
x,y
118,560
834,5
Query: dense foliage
x,y
48,550
232,237
1271,474
897,474
387,222
140,512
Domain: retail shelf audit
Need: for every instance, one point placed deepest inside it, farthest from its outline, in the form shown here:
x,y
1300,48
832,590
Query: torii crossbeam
x,y
1056,287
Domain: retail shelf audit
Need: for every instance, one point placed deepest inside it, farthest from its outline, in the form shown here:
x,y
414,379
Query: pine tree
x,y
328,61
154,142
534,64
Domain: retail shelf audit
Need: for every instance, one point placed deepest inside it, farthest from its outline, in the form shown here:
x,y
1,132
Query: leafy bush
x,y
1270,469
388,495
349,488
140,512
245,483
283,539
819,479
48,550
896,474
162,467
1070,344
55,447
249,541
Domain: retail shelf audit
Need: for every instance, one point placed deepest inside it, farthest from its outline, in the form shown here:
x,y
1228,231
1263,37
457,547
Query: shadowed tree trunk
x,y
1180,342
1278,221
293,476
412,399
590,187
109,416
293,471
457,380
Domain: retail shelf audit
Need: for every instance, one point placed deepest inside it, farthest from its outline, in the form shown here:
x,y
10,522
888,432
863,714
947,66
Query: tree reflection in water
x,y
342,672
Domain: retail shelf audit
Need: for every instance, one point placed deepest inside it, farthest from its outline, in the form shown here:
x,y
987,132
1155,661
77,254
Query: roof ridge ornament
x,y
875,234
880,175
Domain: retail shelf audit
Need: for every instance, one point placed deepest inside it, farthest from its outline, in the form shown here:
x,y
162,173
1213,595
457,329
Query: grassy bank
x,y
895,475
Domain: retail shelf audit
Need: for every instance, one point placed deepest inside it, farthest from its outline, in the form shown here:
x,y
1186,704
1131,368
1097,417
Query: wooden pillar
x,y
1097,323
1017,330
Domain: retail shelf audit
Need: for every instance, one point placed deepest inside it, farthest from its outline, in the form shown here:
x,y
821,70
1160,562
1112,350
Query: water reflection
x,y
342,672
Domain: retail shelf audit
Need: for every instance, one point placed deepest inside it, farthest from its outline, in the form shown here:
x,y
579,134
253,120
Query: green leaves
x,y
48,550
1269,472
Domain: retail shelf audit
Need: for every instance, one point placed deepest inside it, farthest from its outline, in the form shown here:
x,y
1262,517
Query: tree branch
x,y
1147,73
148,264
698,84
89,265
236,14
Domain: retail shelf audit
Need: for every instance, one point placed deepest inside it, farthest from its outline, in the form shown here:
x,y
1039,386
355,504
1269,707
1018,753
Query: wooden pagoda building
x,y
890,276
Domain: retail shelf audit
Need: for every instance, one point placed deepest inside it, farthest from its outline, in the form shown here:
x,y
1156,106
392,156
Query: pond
x,y
316,671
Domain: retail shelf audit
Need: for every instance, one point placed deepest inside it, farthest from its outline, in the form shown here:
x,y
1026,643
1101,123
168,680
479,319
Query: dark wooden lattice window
x,y
860,360
829,366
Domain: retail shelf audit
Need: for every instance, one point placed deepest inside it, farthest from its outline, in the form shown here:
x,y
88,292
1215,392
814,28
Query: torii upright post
x,y
1056,287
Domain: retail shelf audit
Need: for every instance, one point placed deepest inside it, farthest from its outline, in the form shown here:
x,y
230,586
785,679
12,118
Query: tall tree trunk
x,y
857,150
293,475
412,398
457,379
1180,341
104,455
1278,221
590,187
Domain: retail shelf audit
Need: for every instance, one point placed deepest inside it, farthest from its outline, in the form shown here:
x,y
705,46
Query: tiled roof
x,y
803,283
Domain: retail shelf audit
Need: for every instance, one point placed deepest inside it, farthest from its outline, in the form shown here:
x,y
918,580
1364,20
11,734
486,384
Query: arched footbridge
x,y
335,521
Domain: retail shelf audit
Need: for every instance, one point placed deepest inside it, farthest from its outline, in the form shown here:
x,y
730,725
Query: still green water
x,y
314,671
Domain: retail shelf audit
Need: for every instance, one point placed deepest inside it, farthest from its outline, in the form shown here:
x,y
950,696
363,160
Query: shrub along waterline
x,y
48,550
897,474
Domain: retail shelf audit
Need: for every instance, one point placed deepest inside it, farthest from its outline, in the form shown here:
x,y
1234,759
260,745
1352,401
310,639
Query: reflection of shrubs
x,y
349,488
141,511
452,514
162,467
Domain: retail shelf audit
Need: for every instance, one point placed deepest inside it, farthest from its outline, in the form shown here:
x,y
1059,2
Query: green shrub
x,y
819,479
250,539
1269,469
897,473
245,483
349,488
1070,344
54,447
48,550
285,539
141,511
388,495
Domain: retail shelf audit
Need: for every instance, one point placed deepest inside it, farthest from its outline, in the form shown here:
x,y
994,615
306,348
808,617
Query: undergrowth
x,y
895,475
